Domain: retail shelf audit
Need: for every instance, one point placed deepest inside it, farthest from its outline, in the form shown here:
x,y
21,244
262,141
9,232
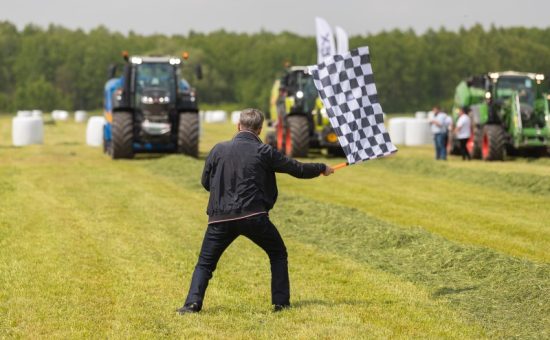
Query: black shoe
x,y
278,308
189,308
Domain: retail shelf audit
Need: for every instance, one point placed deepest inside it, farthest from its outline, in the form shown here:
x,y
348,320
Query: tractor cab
x,y
299,90
301,120
524,93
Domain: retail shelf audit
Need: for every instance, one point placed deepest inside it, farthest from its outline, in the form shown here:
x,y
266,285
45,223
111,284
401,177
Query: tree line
x,y
59,68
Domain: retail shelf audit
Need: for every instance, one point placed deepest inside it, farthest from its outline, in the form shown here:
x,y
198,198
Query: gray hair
x,y
251,119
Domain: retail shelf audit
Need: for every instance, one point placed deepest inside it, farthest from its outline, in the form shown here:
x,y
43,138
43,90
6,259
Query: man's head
x,y
436,109
251,120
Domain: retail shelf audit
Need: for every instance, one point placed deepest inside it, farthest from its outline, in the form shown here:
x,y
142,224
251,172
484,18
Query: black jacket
x,y
240,175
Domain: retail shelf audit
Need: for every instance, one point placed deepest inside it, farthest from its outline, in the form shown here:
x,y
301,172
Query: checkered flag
x,y
346,86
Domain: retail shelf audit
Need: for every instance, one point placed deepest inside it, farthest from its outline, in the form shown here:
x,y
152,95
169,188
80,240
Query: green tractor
x,y
301,121
509,112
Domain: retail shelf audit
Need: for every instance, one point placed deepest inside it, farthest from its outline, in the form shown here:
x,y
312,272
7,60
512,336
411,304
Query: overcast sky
x,y
357,17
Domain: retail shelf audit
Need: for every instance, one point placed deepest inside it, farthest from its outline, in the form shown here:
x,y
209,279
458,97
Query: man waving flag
x,y
346,86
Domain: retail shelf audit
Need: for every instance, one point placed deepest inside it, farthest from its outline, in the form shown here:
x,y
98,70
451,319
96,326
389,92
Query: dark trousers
x,y
219,236
463,149
440,140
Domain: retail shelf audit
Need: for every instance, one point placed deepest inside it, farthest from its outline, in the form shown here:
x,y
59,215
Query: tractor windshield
x,y
156,76
524,86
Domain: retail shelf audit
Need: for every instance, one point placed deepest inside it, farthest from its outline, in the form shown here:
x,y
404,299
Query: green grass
x,y
402,247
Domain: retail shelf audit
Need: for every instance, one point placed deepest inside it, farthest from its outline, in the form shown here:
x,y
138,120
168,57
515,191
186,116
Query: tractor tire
x,y
188,134
478,143
122,136
494,143
297,136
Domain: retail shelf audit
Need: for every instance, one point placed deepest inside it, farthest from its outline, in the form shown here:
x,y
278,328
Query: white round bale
x,y
27,130
217,116
80,116
94,131
420,115
24,113
396,129
417,132
235,116
37,113
60,115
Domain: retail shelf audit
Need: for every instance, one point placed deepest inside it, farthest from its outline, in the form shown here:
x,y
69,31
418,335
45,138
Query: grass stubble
x,y
95,248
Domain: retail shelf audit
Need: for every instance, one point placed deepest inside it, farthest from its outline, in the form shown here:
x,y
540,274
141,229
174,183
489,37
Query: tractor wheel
x,y
122,136
188,134
493,147
297,136
478,143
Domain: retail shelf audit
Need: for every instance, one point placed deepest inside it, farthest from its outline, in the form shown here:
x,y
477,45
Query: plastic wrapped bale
x,y
397,130
24,113
27,131
417,132
94,131
217,116
235,116
37,113
80,116
60,115
420,115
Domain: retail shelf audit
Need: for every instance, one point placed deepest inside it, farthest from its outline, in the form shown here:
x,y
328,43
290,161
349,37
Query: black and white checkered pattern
x,y
346,86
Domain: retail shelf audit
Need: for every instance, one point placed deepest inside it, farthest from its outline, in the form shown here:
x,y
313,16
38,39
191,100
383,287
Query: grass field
x,y
393,248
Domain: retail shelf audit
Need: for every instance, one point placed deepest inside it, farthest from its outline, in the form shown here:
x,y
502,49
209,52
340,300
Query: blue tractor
x,y
150,108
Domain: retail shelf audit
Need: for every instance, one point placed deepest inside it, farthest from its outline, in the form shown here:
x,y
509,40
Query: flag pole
x,y
340,166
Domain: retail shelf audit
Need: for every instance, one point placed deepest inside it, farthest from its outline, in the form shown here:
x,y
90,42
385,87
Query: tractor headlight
x,y
164,99
299,95
147,100
487,95
323,112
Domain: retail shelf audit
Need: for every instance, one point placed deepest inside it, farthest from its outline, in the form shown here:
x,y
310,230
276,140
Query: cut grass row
x,y
509,296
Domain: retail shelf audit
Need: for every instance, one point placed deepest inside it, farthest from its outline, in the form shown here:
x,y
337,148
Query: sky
x,y
356,17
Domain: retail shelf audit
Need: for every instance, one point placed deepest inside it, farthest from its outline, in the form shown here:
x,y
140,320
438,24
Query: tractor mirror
x,y
111,71
198,71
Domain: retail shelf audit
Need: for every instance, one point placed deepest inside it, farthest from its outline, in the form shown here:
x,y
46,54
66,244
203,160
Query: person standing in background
x,y
440,128
463,132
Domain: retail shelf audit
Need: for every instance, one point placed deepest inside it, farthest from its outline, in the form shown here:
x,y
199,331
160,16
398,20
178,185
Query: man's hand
x,y
328,170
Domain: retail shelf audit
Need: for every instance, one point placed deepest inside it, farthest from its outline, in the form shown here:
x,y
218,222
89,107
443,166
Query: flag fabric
x,y
342,40
346,86
325,39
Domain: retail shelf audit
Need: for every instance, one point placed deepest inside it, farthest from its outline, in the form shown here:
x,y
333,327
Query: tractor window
x,y
299,81
155,76
507,86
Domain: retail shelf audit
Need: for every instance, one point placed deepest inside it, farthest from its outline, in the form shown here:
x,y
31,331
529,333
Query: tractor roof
x,y
155,59
299,68
513,74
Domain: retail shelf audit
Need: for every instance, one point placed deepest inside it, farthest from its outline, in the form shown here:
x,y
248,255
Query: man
x,y
240,175
463,132
440,127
